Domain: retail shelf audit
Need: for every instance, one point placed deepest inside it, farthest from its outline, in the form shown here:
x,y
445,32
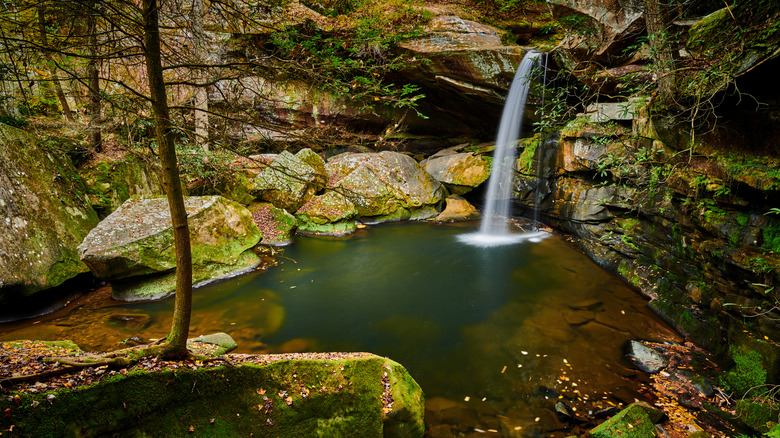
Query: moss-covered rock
x,y
137,239
160,285
276,225
290,180
381,184
110,183
359,396
460,172
635,421
44,215
329,207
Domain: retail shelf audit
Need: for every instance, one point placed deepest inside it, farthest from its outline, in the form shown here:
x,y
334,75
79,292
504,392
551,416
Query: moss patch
x,y
356,397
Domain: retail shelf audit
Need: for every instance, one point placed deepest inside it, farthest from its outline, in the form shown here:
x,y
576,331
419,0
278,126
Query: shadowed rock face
x,y
44,215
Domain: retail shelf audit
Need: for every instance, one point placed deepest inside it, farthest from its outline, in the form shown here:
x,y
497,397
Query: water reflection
x,y
493,335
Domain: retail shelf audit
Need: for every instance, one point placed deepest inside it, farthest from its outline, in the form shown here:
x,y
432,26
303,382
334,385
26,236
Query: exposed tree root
x,y
118,359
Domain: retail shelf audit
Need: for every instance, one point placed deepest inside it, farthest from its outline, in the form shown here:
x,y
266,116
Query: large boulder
x,y
459,172
384,185
459,63
465,56
291,180
137,239
112,182
327,394
329,213
44,215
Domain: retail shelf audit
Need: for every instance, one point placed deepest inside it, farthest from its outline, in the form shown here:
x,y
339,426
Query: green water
x,y
493,335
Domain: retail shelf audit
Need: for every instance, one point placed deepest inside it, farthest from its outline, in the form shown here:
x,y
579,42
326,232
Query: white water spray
x,y
494,230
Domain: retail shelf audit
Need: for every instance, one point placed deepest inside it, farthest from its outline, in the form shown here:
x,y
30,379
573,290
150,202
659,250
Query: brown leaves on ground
x,y
674,391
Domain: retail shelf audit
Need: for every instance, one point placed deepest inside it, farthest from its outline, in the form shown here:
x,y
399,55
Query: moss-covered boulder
x,y
636,421
137,239
276,225
459,172
350,395
383,184
317,215
291,180
112,182
44,215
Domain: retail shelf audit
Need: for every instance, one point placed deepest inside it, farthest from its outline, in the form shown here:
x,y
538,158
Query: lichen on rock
x,y
137,239
44,215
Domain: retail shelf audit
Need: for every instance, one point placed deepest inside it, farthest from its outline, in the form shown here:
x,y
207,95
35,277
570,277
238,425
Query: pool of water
x,y
495,336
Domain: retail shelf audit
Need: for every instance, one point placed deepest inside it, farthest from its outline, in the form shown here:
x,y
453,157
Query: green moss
x,y
757,413
747,373
330,229
632,422
771,236
286,398
525,162
156,286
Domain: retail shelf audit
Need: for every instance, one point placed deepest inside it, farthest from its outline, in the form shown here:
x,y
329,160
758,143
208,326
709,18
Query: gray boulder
x,y
383,184
291,180
459,172
137,239
44,215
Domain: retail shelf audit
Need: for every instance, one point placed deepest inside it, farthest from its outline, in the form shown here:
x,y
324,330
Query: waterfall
x,y
494,229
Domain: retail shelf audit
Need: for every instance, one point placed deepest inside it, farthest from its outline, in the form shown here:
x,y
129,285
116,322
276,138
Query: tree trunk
x,y
200,94
95,137
177,339
52,70
657,21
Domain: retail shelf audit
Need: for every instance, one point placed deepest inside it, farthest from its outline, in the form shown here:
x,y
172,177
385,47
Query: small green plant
x,y
747,373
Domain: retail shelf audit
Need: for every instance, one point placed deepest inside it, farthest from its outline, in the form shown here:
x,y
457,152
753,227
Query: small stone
x,y
644,358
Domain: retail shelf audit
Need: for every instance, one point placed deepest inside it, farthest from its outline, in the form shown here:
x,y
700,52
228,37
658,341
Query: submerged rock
x,y
137,239
44,215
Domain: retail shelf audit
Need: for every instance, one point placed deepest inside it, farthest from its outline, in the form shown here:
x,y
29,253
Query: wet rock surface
x,y
646,359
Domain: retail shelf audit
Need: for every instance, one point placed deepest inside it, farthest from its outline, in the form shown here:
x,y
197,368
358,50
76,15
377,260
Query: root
x,y
118,359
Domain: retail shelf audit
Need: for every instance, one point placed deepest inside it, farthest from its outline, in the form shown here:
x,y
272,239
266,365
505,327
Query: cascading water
x,y
494,229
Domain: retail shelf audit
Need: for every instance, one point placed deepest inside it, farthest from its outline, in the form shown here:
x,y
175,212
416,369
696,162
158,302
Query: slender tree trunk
x,y
15,69
177,339
95,137
200,94
657,20
52,70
